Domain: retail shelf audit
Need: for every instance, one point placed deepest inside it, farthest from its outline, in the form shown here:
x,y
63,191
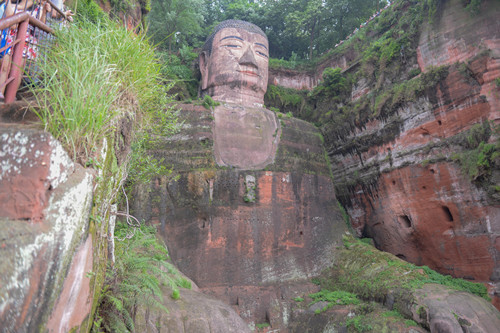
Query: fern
x,y
140,271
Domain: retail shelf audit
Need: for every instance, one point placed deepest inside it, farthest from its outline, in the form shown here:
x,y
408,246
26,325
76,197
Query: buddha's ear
x,y
204,59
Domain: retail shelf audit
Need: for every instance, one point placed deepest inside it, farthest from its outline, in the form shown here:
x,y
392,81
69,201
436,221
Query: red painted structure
x,y
23,20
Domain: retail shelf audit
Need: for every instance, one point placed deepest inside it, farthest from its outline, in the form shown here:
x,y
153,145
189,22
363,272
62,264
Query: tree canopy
x,y
305,28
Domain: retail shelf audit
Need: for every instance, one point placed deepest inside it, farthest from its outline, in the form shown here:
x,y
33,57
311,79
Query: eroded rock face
x,y
194,312
433,216
421,205
413,197
32,163
444,310
292,79
46,201
234,231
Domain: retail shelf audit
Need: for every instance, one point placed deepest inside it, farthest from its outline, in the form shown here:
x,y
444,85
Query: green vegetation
x,y
262,325
101,91
477,163
177,68
89,10
176,23
479,158
298,299
291,100
141,268
96,75
334,86
358,324
337,297
373,273
208,102
296,30
292,63
472,6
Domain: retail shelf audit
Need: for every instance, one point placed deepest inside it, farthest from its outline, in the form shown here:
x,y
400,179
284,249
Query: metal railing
x,y
17,66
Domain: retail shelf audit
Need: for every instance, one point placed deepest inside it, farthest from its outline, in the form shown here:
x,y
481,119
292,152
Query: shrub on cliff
x,y
96,74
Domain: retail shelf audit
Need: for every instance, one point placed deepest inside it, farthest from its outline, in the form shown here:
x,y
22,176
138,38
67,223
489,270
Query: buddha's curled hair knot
x,y
250,27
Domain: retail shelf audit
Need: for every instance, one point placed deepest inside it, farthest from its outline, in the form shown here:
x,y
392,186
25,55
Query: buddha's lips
x,y
251,73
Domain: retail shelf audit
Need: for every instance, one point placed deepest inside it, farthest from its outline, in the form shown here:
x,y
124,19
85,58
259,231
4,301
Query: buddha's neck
x,y
240,97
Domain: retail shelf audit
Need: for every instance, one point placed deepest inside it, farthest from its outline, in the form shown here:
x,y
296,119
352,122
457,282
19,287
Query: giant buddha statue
x,y
253,208
234,70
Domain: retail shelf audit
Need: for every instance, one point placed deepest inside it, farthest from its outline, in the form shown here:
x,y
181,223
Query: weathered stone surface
x,y
411,195
194,312
37,245
382,277
258,304
292,235
32,164
292,79
223,236
448,311
245,137
433,216
74,302
457,36
419,204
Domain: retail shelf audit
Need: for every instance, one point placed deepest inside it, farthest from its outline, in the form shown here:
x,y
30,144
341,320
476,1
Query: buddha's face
x,y
236,70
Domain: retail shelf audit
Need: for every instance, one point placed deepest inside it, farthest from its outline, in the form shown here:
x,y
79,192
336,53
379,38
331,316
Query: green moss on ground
x,y
372,274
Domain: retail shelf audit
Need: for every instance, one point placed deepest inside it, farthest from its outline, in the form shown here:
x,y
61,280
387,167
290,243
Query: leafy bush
x,y
178,69
89,10
477,163
334,81
472,6
208,102
262,325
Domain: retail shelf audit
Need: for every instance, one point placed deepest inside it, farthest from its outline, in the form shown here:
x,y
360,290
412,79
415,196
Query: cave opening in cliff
x,y
405,221
447,213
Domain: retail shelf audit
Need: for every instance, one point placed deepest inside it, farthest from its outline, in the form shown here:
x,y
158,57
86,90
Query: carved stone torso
x,y
245,137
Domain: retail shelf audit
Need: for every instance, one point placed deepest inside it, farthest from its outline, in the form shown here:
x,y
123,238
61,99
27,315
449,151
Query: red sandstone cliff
x,y
406,151
412,195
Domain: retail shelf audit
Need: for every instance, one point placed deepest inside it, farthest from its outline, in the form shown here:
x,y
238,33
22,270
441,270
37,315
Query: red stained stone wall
x,y
418,203
239,246
433,216
288,233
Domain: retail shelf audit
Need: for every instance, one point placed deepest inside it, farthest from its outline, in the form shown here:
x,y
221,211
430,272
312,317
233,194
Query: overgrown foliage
x,y
479,158
337,297
178,69
96,74
136,279
97,78
89,10
373,273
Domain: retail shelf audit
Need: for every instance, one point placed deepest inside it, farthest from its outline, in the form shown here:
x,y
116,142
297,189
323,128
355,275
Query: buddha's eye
x,y
262,54
233,46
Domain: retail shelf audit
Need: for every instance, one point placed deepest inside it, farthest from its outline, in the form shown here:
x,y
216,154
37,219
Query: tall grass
x,y
95,74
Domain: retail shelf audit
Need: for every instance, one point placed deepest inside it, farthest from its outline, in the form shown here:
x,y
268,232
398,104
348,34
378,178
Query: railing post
x,y
17,68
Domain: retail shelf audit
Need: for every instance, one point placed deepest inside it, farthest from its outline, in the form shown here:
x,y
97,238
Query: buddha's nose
x,y
248,58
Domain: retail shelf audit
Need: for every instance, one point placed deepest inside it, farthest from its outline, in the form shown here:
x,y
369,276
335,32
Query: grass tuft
x,y
96,74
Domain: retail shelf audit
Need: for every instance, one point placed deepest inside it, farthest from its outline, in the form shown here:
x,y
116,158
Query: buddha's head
x,y
234,63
